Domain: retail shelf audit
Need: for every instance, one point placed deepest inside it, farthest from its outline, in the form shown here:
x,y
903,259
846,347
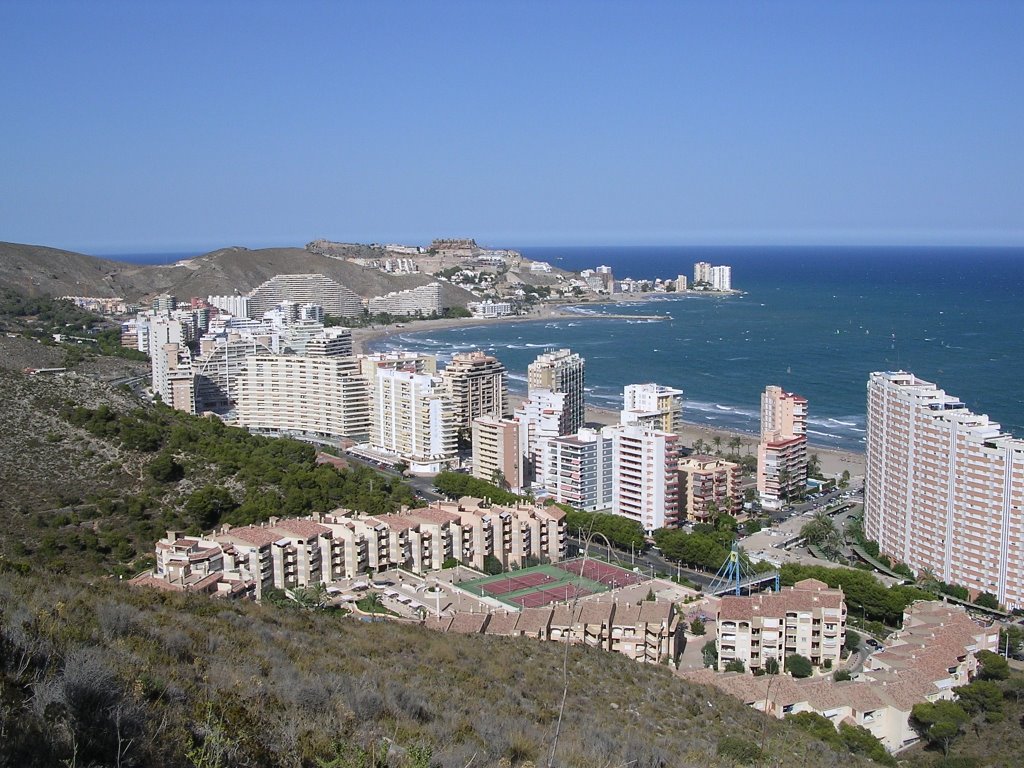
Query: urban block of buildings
x,y
944,487
935,652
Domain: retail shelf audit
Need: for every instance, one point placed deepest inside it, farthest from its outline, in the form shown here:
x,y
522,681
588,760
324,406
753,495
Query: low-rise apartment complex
x,y
935,652
808,619
303,552
646,631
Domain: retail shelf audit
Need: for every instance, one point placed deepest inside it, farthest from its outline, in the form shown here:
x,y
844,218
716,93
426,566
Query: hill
x,y
96,672
38,270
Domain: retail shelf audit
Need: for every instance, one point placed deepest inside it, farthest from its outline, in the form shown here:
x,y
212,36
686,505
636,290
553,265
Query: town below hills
x,y
96,672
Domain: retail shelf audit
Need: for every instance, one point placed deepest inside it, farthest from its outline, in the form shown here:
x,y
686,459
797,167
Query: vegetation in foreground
x,y
100,673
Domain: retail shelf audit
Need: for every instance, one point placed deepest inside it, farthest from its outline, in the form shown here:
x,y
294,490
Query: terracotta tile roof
x,y
433,516
305,528
534,621
502,624
469,623
393,522
438,623
595,613
778,604
148,580
252,534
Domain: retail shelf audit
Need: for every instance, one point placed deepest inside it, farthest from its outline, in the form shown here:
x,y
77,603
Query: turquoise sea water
x,y
816,321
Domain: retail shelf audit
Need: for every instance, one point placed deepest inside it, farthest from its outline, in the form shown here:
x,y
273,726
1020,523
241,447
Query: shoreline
x,y
833,460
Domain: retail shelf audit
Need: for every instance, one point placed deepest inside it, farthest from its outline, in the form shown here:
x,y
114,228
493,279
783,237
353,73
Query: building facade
x,y
423,300
808,619
497,452
709,485
645,485
477,384
652,405
561,371
336,299
413,418
782,452
578,469
944,487
322,396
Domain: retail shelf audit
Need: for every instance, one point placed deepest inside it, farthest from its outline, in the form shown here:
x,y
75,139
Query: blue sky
x,y
165,126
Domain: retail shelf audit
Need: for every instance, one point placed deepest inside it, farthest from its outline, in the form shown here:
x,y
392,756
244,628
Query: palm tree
x,y
735,442
717,440
699,446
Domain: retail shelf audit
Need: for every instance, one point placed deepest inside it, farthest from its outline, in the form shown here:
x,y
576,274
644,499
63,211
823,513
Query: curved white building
x,y
944,487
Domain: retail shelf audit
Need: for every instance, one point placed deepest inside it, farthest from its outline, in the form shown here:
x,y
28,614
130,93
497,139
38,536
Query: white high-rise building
x,y
162,333
578,469
645,487
540,416
336,299
702,272
412,417
561,371
721,278
233,305
652,405
944,487
319,394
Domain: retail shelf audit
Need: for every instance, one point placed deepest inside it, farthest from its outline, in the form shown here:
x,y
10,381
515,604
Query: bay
x,y
815,321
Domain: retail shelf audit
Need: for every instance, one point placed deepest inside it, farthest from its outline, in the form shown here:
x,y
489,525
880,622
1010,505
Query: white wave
x,y
843,423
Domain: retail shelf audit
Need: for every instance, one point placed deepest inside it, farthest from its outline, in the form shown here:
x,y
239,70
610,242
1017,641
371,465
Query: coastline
x,y
833,461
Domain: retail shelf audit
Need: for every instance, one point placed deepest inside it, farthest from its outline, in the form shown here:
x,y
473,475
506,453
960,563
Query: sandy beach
x,y
833,462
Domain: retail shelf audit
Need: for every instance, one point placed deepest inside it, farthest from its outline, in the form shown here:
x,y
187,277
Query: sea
x,y
813,320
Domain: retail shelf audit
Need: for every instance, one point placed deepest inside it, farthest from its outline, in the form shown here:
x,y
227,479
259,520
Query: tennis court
x,y
516,583
562,593
603,573
531,587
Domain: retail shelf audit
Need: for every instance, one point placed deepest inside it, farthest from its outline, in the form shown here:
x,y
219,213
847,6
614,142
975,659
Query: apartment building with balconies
x,y
709,485
652,405
561,371
808,619
477,385
782,452
944,487
578,469
645,484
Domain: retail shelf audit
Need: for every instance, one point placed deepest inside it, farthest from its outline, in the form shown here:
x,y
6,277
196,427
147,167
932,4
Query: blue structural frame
x,y
733,577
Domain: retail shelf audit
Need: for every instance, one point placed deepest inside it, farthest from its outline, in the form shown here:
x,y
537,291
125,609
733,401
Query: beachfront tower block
x,y
782,452
497,453
645,480
652,405
944,487
578,469
477,384
411,417
561,371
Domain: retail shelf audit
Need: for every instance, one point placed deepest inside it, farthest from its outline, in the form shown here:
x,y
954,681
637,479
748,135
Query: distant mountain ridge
x,y
38,270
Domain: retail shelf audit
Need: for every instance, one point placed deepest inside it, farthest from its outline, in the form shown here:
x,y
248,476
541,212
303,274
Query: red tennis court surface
x,y
515,583
603,573
551,595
